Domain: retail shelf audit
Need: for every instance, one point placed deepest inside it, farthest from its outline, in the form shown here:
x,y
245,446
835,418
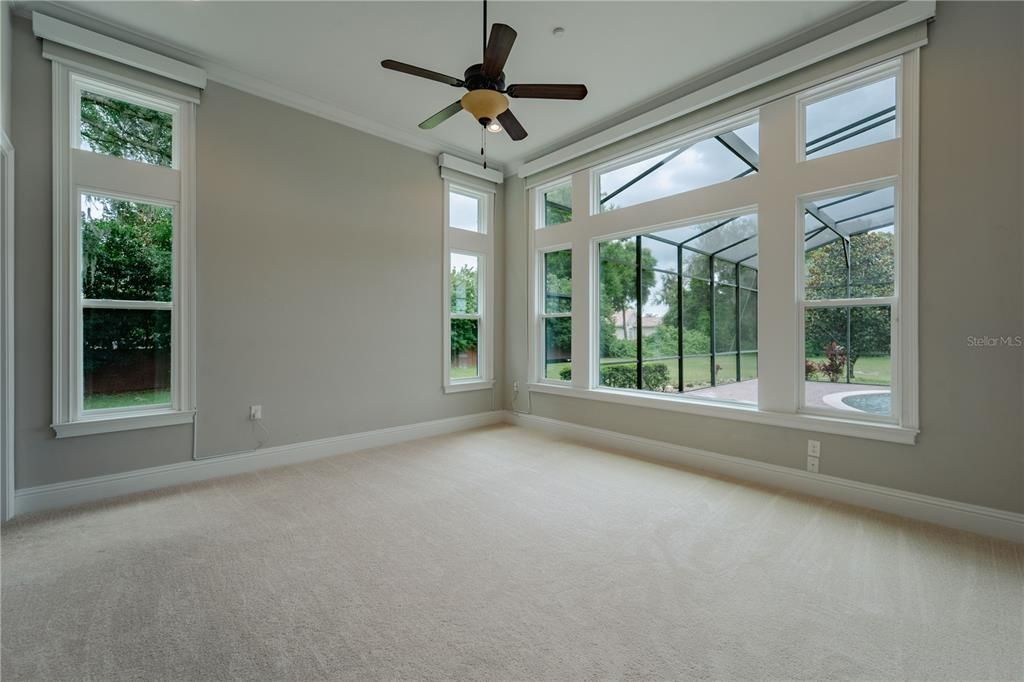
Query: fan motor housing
x,y
476,80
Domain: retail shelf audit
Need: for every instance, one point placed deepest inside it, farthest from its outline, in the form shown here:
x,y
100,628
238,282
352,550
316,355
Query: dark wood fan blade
x,y
499,45
548,91
422,73
512,125
442,116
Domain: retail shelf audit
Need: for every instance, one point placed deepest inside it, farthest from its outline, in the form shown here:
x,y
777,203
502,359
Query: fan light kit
x,y
487,99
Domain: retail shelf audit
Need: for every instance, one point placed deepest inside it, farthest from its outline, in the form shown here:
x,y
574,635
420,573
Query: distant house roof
x,y
649,321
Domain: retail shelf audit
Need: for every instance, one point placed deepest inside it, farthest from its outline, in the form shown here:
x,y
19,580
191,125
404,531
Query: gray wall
x,y
319,285
6,65
971,446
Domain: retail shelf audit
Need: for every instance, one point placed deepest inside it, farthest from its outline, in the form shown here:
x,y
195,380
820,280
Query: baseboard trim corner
x,y
81,491
952,514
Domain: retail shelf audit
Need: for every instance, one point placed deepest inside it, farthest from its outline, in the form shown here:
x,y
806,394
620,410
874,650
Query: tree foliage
x,y
872,273
128,131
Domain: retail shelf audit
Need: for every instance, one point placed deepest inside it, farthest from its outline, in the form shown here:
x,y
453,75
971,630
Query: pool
x,y
874,403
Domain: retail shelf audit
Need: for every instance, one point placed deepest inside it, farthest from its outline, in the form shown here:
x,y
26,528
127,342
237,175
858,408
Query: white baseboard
x,y
969,517
70,493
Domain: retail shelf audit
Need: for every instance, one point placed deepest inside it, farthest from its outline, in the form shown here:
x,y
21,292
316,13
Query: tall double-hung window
x,y
759,267
468,283
123,179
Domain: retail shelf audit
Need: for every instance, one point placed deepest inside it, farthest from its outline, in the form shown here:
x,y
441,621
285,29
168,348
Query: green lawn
x,y
463,372
103,401
869,369
697,370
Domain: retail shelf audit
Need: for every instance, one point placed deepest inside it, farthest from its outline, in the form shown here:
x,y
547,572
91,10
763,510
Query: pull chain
x,y
483,145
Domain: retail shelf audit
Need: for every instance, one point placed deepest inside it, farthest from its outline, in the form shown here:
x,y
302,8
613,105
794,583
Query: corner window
x,y
785,298
124,334
468,289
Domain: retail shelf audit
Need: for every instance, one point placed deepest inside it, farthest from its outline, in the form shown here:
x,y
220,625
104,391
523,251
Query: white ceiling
x,y
627,53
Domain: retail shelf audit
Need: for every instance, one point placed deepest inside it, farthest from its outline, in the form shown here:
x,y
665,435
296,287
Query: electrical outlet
x,y
255,412
812,464
515,387
814,448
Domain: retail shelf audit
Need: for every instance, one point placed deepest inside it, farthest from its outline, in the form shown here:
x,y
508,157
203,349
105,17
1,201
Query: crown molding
x,y
239,80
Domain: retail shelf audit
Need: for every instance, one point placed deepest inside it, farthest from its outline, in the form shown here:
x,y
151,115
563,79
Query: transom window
x,y
680,167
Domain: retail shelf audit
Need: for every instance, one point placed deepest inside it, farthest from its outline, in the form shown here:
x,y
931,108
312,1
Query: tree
x,y
126,130
872,273
558,299
463,299
618,280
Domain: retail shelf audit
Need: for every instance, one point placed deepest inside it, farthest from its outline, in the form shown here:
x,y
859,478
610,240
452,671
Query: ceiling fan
x,y
486,99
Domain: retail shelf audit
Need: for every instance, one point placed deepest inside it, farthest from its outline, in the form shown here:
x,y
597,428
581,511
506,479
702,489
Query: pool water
x,y
875,403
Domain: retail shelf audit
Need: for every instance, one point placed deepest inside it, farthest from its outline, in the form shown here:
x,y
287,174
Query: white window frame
x,y
688,139
481,245
539,219
840,86
539,334
77,171
785,178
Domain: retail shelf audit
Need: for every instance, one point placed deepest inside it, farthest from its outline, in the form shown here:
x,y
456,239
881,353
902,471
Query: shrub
x,y
834,363
810,369
656,376
565,374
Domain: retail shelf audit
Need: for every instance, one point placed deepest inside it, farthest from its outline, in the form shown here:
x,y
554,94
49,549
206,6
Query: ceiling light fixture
x,y
494,127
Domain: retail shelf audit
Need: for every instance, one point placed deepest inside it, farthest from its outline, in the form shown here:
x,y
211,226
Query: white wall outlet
x,y
255,412
814,448
812,464
515,387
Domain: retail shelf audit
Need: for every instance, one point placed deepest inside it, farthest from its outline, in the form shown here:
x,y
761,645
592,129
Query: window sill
x,y
462,386
748,413
122,422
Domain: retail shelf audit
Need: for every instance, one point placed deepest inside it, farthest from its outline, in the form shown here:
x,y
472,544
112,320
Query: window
x,y
465,316
556,204
466,211
849,293
699,278
851,114
781,295
468,289
557,315
124,334
685,165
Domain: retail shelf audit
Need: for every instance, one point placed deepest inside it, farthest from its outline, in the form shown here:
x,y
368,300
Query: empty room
x,y
511,340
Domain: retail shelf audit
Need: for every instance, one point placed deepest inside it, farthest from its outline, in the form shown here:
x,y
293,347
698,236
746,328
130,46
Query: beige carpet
x,y
500,554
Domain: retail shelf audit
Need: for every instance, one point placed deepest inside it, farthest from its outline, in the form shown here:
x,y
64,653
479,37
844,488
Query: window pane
x,y
464,211
665,256
558,281
856,256
616,373
696,372
748,368
748,320
558,204
128,131
661,319
661,376
465,363
748,277
558,348
725,370
464,282
725,319
126,250
677,170
852,119
848,358
126,358
618,299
